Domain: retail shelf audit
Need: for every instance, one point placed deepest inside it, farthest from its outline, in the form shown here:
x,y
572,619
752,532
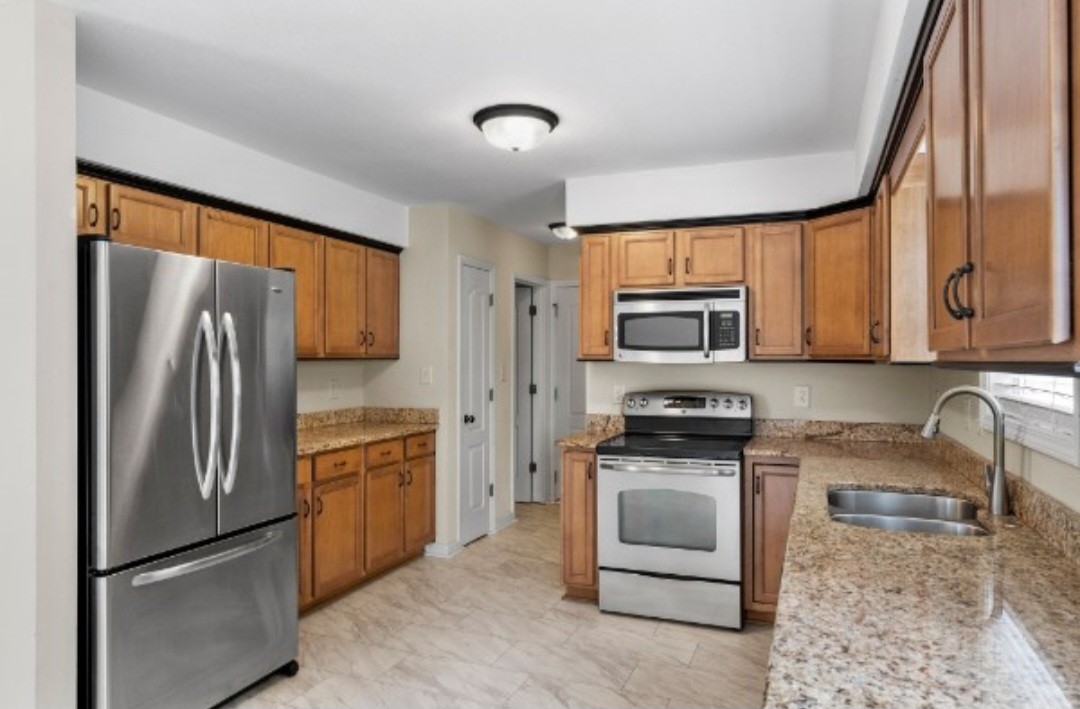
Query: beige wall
x,y
838,392
960,421
328,384
563,261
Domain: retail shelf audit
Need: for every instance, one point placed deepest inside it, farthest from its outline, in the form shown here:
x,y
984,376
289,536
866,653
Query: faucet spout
x,y
996,489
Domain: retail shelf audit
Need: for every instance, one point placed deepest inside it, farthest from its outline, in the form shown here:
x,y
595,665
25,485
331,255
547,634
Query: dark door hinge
x,y
532,311
556,306
491,489
491,395
532,390
556,393
491,299
532,467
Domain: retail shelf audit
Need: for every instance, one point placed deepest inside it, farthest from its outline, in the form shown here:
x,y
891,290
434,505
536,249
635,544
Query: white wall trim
x,y
503,522
443,551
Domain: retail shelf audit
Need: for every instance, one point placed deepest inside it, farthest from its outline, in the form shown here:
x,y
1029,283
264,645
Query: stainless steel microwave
x,y
683,326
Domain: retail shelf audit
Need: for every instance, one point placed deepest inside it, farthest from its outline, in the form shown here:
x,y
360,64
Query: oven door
x,y
662,331
680,518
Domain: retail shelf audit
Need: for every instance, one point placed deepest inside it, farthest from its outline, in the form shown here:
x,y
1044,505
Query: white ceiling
x,y
380,94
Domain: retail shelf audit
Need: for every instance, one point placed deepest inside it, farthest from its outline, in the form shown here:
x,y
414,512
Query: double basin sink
x,y
906,512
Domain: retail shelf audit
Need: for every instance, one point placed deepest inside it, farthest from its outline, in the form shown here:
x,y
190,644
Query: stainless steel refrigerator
x,y
188,442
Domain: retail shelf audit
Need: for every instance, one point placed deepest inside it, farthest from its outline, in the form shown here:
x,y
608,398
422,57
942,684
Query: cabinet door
x,y
304,517
383,516
346,299
945,77
89,205
774,501
383,310
232,237
711,256
338,552
151,220
879,275
645,258
419,503
776,290
303,253
1020,203
839,285
579,519
595,309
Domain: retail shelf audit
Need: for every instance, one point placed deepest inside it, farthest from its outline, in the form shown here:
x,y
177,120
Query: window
x,y
1040,412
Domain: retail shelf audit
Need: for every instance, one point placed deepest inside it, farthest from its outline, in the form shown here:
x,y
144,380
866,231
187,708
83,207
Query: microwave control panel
x,y
724,332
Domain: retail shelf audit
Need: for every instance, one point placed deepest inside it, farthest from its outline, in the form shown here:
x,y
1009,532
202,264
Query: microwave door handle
x,y
706,322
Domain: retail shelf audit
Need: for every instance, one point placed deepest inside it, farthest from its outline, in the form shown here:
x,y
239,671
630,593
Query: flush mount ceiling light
x,y
562,231
516,127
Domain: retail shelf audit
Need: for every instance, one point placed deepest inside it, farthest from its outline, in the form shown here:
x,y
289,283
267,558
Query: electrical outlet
x,y
427,375
335,389
618,392
801,397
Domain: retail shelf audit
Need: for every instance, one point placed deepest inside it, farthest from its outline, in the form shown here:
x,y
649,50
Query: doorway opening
x,y
567,373
525,393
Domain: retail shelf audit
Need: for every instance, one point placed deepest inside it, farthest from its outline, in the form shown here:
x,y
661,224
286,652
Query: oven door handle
x,y
724,472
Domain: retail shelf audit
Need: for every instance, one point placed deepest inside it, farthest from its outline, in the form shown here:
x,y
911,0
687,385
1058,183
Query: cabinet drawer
x,y
303,471
422,444
332,465
383,453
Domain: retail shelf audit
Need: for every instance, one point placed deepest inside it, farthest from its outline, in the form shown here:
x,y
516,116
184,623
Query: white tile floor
x,y
489,628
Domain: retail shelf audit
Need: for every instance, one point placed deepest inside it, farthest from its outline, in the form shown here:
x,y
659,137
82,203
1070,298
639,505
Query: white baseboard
x,y
442,551
504,522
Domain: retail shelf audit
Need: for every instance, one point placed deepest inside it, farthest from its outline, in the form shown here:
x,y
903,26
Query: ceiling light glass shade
x,y
515,127
562,231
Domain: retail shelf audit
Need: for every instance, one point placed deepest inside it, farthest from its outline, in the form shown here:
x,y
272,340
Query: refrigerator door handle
x,y
204,333
228,330
190,567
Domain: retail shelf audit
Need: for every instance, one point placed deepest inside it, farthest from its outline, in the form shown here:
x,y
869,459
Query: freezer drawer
x,y
190,630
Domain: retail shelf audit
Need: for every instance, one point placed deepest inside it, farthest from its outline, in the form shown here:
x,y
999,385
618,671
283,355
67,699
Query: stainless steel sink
x,y
906,512
902,504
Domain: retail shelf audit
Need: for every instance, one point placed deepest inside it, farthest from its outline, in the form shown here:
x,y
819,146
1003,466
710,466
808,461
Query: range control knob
x,y
743,404
643,401
728,403
714,402
630,403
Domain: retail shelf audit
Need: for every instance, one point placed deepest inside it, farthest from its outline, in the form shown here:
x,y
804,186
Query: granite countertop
x,y
874,618
599,428
321,439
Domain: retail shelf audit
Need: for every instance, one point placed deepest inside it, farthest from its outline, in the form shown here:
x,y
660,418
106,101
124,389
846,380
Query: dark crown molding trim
x,y
905,106
129,179
760,218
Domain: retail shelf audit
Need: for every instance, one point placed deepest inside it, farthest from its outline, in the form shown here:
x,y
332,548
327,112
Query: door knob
x,y
469,418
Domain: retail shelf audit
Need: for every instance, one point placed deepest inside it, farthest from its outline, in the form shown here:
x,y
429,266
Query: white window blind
x,y
1040,412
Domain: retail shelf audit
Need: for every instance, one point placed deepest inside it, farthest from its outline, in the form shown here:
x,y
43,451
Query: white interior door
x,y
474,366
524,484
568,372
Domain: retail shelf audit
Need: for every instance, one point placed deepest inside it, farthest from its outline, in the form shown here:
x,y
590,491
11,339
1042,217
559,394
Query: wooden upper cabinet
x,y
945,79
774,502
302,252
645,258
1020,203
337,532
346,299
776,291
711,256
419,503
595,308
151,220
880,326
232,237
383,516
578,512
839,285
90,206
383,300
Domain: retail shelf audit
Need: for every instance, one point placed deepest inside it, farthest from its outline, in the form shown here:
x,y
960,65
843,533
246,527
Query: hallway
x,y
489,628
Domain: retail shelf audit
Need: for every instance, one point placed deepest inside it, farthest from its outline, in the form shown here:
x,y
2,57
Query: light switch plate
x,y
801,397
617,393
427,375
335,389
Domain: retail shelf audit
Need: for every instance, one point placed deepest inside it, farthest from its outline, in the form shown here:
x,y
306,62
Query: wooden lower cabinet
x,y
769,500
337,536
578,522
419,503
304,517
384,501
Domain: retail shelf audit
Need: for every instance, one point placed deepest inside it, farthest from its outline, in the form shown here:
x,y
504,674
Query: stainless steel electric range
x,y
668,507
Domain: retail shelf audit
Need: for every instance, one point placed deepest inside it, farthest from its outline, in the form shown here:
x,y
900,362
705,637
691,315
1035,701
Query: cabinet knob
x,y
318,506
809,332
874,336
670,266
115,218
92,215
307,509
687,269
